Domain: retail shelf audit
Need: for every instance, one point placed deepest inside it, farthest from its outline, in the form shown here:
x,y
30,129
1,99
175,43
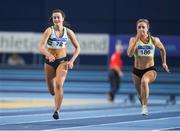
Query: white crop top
x,y
55,42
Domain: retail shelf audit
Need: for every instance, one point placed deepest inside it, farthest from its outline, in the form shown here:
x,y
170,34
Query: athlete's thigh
x,y
61,72
150,76
136,80
49,72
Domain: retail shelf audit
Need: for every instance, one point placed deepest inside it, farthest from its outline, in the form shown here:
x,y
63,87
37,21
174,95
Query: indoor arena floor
x,y
25,103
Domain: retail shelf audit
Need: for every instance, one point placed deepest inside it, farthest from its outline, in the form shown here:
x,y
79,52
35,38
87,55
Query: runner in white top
x,y
52,45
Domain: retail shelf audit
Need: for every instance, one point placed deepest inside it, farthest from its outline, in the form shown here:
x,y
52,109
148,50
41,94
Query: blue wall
x,y
95,16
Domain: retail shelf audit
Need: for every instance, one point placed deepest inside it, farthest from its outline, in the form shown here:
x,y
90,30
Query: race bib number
x,y
55,44
146,50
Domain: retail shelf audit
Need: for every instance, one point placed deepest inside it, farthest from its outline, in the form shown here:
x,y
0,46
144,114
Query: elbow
x,y
78,50
40,49
163,50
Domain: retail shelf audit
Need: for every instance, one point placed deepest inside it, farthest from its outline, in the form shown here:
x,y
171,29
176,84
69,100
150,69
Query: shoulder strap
x,y
65,32
152,39
53,31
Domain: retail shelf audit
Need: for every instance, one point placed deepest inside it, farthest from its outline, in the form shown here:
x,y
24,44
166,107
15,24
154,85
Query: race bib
x,y
56,43
145,50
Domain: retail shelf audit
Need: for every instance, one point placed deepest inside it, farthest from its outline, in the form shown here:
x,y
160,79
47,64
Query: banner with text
x,y
171,43
27,42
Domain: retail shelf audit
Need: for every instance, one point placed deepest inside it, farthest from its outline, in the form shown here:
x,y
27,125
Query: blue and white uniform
x,y
55,42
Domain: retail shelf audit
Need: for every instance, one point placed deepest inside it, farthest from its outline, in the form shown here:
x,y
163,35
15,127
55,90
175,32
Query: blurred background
x,y
98,24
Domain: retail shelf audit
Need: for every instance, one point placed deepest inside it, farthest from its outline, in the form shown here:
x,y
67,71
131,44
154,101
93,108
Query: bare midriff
x,y
58,53
143,62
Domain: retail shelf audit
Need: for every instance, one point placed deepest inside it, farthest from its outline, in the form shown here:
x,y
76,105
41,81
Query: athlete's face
x,y
142,28
57,18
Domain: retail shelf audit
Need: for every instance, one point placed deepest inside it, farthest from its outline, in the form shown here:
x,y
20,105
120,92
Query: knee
x,y
59,88
59,85
144,82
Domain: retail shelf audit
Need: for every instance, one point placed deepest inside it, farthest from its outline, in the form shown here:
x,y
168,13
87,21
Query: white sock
x,y
144,106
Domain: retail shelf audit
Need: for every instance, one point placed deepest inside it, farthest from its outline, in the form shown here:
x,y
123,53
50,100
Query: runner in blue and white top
x,y
55,42
53,46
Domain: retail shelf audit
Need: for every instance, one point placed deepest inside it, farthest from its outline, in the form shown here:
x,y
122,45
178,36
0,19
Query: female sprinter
x,y
53,46
142,46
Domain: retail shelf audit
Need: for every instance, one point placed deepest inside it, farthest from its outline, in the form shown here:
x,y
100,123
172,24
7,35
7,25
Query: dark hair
x,y
145,21
65,23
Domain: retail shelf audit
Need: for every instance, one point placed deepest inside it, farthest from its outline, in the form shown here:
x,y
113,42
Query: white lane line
x,y
67,115
103,115
81,117
110,124
164,129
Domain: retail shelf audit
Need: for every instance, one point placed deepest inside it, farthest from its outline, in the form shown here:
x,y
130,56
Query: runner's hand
x,y
70,64
165,67
51,58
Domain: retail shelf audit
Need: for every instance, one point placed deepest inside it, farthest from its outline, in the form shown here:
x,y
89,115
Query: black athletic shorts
x,y
140,73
